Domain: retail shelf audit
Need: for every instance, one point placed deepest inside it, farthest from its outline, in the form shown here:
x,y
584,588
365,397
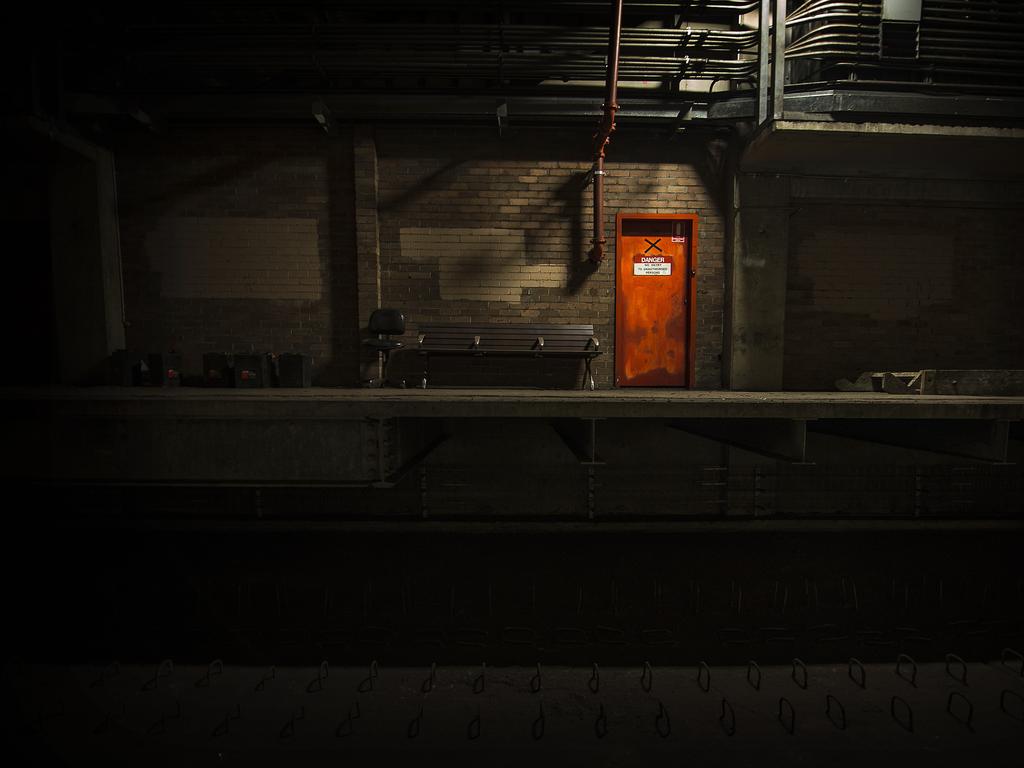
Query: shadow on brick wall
x,y
342,368
571,196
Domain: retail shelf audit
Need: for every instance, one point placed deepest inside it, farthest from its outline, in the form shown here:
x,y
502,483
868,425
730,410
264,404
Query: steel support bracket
x,y
783,439
977,439
580,437
400,445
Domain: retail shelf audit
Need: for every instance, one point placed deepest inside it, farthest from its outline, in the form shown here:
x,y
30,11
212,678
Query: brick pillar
x,y
367,238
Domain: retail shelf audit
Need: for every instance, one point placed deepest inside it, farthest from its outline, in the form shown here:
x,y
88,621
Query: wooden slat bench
x,y
508,340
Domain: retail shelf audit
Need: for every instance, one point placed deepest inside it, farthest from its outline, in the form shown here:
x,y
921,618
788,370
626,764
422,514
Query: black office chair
x,y
385,323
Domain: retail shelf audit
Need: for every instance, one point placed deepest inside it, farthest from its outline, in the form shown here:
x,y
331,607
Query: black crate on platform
x,y
249,371
217,369
125,368
162,369
294,370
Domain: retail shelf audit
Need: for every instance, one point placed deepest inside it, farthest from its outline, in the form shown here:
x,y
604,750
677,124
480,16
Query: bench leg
x,y
588,376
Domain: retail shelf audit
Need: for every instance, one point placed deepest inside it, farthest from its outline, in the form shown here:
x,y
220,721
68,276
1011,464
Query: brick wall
x,y
241,240
476,228
901,287
268,240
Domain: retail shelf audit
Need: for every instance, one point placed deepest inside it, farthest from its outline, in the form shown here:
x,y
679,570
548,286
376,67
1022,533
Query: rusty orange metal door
x,y
655,312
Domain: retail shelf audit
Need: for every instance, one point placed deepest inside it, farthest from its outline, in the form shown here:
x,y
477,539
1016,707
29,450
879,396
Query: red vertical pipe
x,y
604,131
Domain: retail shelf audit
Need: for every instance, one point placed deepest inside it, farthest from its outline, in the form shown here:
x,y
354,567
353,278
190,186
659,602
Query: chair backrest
x,y
390,322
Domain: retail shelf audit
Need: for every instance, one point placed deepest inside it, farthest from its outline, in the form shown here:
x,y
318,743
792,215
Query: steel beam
x,y
763,59
682,525
359,107
779,61
783,439
976,439
555,108
580,437
895,103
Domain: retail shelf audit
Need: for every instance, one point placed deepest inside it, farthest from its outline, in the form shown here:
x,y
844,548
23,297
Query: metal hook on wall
x,y
164,669
108,719
861,678
344,728
601,723
473,729
288,729
647,677
1002,704
839,709
1009,652
428,684
224,725
970,709
317,683
480,681
799,673
270,674
594,683
755,682
161,725
113,668
366,684
787,715
906,722
727,719
902,660
215,667
662,723
537,729
704,677
414,725
952,658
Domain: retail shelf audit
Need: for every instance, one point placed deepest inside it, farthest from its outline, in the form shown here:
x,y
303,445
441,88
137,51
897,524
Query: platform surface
x,y
342,403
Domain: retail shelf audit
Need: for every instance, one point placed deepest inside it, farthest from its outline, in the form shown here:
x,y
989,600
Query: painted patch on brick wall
x,y
895,287
887,272
237,258
479,264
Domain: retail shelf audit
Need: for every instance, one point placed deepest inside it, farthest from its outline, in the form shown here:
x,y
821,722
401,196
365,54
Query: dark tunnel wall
x,y
898,286
238,241
295,598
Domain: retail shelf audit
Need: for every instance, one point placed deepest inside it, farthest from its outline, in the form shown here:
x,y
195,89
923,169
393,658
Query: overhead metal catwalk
x,y
243,9
436,35
347,47
694,57
957,44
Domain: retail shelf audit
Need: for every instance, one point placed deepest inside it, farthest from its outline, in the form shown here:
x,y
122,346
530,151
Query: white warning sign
x,y
648,265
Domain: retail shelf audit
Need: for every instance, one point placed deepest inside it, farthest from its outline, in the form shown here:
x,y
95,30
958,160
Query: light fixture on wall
x,y
322,114
502,113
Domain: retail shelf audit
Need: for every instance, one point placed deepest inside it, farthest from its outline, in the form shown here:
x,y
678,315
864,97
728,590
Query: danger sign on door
x,y
652,264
